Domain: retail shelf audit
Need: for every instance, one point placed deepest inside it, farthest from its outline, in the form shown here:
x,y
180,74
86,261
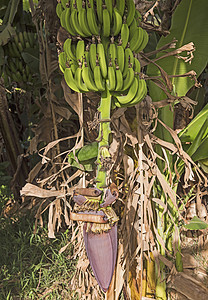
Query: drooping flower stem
x,y
103,137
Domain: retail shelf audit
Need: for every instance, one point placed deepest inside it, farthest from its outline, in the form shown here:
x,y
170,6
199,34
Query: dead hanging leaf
x,y
71,99
32,190
51,234
34,172
62,111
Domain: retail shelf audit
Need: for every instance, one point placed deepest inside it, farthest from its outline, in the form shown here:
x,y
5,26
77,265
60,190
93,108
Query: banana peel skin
x,y
100,231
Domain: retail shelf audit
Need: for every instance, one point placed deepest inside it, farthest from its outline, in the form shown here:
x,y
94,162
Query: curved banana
x,y
117,22
137,44
62,61
63,3
63,19
119,79
144,42
124,34
129,79
99,5
130,11
129,60
120,57
141,93
83,23
15,50
106,23
109,6
120,5
75,23
136,39
80,50
132,28
112,54
69,78
102,60
68,49
79,82
92,55
130,94
21,39
59,9
98,78
137,66
88,78
92,21
79,4
111,82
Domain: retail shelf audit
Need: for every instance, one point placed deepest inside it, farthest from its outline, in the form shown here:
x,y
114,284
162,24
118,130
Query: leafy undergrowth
x,y
31,266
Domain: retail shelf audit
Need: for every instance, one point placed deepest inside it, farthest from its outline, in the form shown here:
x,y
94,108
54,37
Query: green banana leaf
x,y
192,130
202,152
189,24
196,224
195,146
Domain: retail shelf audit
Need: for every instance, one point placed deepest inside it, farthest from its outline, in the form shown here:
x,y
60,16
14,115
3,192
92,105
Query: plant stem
x,y
104,131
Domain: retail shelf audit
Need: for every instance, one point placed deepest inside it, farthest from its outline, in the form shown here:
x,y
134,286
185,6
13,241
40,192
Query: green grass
x,y
30,264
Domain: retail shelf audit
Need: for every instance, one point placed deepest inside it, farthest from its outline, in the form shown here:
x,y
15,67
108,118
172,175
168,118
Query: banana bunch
x,y
15,68
105,18
95,66
20,42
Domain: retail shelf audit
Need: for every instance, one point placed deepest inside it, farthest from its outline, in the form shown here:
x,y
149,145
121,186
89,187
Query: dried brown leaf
x,y
34,191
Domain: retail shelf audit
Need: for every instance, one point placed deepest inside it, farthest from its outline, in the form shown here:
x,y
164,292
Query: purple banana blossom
x,y
101,251
79,199
109,199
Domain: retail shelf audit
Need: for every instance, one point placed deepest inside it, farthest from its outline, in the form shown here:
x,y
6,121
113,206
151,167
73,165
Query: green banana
x,y
136,39
21,39
92,54
27,70
59,9
15,50
68,49
119,79
12,66
137,66
120,5
98,78
141,93
144,42
120,57
68,22
117,22
16,39
62,61
69,78
130,94
138,17
78,79
129,79
124,34
109,6
102,60
130,11
132,28
63,19
111,82
19,46
83,23
92,21
80,50
75,23
112,53
99,5
11,50
129,60
106,23
88,78
19,76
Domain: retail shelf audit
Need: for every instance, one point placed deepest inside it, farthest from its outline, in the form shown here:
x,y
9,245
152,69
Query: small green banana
x,y
106,23
98,78
69,78
130,94
124,34
78,79
102,59
59,9
130,11
117,22
68,49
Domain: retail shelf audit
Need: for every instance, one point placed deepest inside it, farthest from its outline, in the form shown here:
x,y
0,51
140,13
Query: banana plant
x,y
100,56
